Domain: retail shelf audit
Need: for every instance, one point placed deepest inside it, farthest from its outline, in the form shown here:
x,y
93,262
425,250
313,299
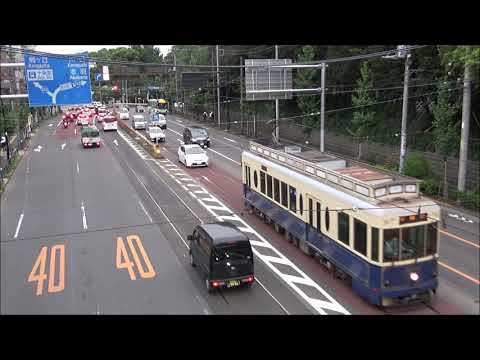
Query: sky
x,y
73,49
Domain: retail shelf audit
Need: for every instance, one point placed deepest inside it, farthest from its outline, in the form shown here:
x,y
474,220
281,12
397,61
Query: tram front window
x,y
413,242
391,240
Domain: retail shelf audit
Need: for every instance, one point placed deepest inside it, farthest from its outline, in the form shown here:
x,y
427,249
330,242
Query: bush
x,y
469,199
416,166
430,187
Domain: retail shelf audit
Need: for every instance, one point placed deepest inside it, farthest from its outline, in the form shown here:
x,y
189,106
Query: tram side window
x,y
432,239
276,190
374,244
327,219
293,198
284,194
300,200
310,212
262,182
344,228
269,186
413,242
391,239
360,239
319,213
255,178
249,177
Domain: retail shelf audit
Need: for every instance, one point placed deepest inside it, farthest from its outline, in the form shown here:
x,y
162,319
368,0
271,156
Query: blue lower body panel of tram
x,y
377,285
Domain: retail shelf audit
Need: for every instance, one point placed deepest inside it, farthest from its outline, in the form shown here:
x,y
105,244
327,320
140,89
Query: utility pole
x,y
241,93
175,69
322,111
462,163
277,130
403,132
218,90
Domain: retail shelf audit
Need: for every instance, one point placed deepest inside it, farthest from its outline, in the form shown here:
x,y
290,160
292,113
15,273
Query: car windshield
x,y
92,133
194,150
199,132
239,251
155,130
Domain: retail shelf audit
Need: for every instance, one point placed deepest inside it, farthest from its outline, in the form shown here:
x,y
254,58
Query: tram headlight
x,y
414,276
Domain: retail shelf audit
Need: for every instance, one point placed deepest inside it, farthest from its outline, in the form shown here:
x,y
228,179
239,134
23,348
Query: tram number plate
x,y
233,283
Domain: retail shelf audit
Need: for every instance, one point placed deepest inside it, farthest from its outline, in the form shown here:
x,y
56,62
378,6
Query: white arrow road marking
x,y
84,217
63,146
115,142
18,226
229,139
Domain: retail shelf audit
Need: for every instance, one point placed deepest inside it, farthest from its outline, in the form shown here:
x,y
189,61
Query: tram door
x,y
314,213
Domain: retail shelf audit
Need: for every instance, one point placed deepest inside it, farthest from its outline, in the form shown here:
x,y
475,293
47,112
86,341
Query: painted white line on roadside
x,y
229,139
176,132
226,157
78,169
63,146
145,211
84,217
18,226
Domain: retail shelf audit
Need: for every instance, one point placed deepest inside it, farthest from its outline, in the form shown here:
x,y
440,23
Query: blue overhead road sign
x,y
98,77
57,80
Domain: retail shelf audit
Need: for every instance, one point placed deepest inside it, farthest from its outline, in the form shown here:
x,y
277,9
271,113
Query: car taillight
x,y
215,284
248,279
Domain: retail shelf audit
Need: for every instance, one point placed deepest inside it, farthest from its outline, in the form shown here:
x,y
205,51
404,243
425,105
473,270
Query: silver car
x,y
139,122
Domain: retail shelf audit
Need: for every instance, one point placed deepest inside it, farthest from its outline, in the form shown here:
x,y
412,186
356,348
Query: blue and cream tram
x,y
372,228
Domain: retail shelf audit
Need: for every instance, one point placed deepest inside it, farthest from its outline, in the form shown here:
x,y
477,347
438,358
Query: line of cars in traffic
x,y
87,117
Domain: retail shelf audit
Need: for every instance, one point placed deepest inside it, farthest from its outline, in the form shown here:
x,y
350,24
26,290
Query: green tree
x,y
445,136
307,78
364,117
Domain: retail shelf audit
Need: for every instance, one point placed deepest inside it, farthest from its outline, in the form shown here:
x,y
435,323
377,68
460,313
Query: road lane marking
x,y
459,238
38,270
75,131
59,123
226,157
38,149
50,125
78,169
229,139
84,217
115,142
63,146
319,305
176,132
129,265
145,211
462,218
18,226
458,272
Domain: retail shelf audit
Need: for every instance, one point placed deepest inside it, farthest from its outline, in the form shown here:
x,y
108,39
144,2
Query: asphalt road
x,y
459,238
114,221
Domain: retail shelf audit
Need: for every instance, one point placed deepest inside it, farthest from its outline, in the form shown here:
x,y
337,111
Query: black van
x,y
223,254
196,135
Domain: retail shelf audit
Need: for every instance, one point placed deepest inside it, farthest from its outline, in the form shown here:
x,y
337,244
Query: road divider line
x,y
75,131
145,211
458,272
229,139
459,238
226,157
78,169
84,217
18,226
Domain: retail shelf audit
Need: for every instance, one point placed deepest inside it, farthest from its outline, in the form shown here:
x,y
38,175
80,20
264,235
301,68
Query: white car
x,y
192,155
83,120
155,134
124,114
139,122
109,123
